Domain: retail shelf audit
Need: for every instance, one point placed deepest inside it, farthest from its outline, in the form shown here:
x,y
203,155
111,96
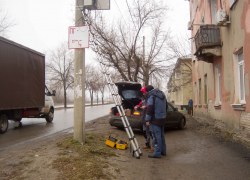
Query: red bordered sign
x,y
78,37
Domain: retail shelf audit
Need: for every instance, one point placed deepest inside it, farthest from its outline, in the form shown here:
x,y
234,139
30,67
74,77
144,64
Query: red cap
x,y
143,89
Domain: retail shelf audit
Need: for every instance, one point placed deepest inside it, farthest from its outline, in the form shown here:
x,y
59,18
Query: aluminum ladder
x,y
114,92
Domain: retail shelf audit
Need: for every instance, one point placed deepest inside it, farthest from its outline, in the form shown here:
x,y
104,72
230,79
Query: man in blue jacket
x,y
190,107
156,115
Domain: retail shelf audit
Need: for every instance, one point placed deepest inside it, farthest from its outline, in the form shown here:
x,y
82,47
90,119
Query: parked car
x,y
130,94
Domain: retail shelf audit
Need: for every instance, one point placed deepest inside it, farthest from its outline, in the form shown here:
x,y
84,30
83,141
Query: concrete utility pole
x,y
144,50
143,60
79,81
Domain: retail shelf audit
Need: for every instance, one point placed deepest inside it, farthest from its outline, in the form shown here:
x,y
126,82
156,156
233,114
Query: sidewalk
x,y
220,127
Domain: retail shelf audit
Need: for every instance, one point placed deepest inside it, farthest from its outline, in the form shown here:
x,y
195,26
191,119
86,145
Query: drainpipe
x,y
220,4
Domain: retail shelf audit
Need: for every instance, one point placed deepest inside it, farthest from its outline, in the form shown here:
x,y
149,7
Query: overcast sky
x,y
43,25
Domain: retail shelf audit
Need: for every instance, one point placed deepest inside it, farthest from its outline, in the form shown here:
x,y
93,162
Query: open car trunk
x,y
129,91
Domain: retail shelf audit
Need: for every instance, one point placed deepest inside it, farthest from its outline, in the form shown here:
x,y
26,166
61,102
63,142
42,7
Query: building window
x,y
205,88
213,10
177,75
218,87
199,91
241,77
180,93
177,96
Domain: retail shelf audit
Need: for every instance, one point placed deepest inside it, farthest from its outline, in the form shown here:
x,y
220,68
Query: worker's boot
x,y
147,146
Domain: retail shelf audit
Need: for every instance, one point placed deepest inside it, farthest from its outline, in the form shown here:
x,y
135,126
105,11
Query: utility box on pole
x,y
90,4
103,4
97,4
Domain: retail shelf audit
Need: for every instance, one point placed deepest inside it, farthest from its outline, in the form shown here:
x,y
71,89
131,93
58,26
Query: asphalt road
x,y
194,153
33,129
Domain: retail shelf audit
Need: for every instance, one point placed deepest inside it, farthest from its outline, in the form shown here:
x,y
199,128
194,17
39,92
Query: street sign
x,y
78,37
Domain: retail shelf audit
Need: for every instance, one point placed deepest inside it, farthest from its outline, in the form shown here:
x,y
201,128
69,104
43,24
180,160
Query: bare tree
x,y
102,84
92,77
120,45
5,23
180,49
60,68
96,81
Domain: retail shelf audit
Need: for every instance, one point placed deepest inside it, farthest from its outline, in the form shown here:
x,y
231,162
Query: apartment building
x,y
180,83
220,32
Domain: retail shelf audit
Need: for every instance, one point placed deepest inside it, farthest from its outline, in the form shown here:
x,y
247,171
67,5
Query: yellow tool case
x,y
121,144
110,141
113,142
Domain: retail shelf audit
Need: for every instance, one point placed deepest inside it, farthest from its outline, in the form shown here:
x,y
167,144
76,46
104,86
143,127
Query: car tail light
x,y
137,113
30,112
117,114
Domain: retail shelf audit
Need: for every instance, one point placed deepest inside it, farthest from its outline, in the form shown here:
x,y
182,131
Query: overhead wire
x,y
121,13
130,14
132,18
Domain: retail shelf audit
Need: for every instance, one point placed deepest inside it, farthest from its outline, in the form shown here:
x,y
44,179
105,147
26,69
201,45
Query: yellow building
x,y
180,83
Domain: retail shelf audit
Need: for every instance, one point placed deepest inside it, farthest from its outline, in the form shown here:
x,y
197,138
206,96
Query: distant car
x,y
129,91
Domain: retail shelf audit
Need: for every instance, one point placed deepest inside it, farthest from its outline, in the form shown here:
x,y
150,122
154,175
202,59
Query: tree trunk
x,y
64,84
97,98
65,98
91,97
103,98
146,81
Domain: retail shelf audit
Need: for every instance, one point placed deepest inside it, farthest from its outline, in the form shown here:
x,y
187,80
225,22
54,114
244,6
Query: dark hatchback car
x,y
130,94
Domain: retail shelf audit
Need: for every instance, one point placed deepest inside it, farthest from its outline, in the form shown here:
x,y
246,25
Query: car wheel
x,y
181,123
50,116
3,124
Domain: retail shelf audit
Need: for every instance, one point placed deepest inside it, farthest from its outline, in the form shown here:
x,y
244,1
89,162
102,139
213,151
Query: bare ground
x,y
36,159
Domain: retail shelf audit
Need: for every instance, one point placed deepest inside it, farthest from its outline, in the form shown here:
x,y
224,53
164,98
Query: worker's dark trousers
x,y
190,111
159,140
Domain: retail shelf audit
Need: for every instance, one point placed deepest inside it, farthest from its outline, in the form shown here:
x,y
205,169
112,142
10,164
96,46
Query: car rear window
x,y
130,94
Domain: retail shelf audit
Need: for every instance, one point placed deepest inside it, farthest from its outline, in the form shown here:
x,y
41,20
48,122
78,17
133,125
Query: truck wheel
x,y
50,116
3,124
